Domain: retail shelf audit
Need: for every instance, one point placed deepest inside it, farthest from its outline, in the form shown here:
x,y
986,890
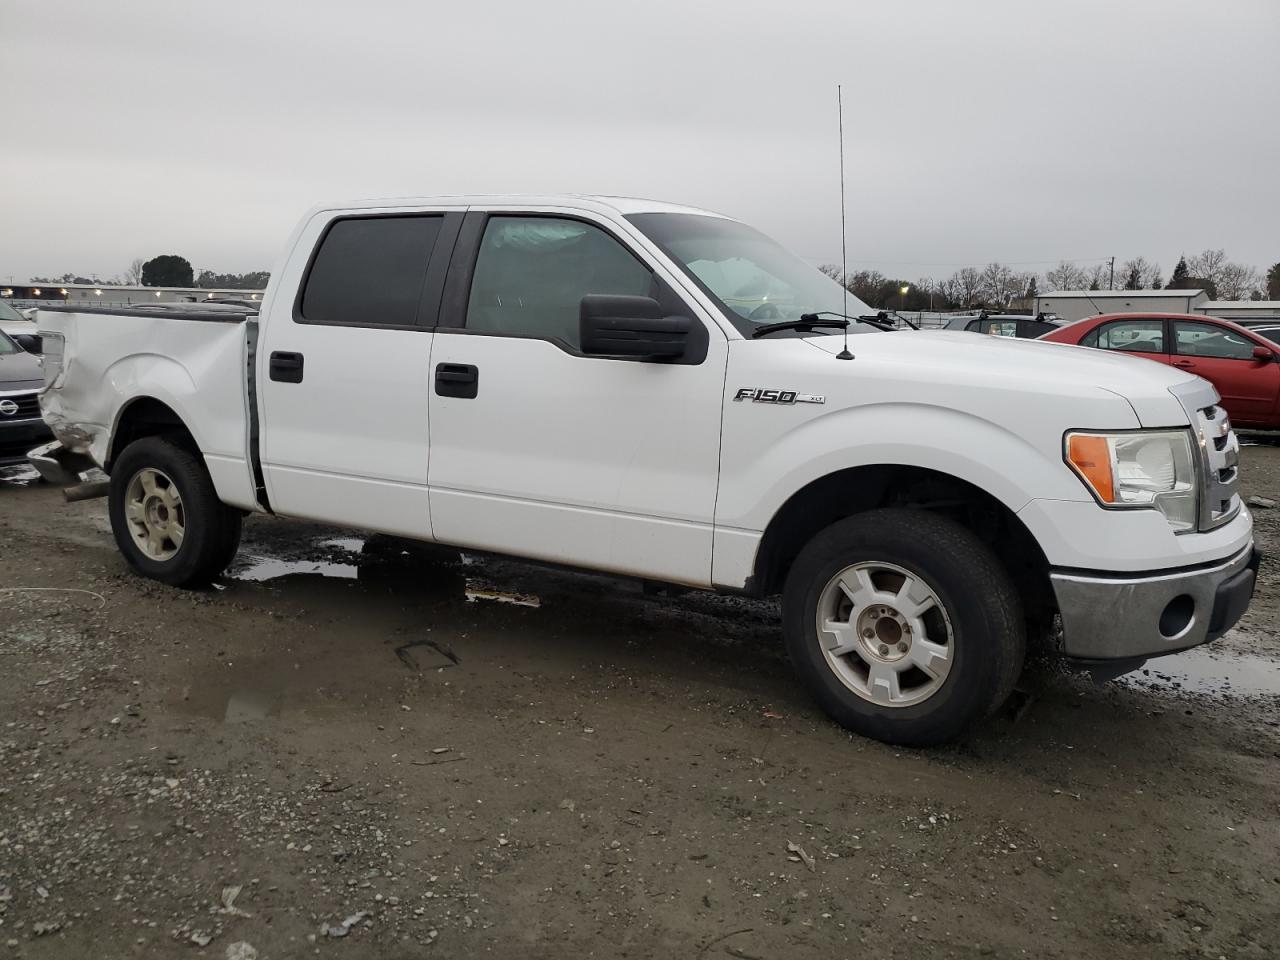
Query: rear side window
x,y
369,271
1138,336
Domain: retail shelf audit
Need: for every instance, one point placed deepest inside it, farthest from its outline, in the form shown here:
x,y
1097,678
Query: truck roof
x,y
623,205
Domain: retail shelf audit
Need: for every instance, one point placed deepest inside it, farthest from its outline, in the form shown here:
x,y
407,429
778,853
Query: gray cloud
x,y
975,131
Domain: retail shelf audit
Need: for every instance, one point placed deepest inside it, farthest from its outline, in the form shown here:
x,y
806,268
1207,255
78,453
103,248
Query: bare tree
x,y
832,270
1208,265
1066,276
1140,274
963,288
1235,281
1000,284
132,277
1097,277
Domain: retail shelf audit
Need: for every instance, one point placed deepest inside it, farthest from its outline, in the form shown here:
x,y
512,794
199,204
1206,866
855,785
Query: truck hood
x,y
1037,365
20,371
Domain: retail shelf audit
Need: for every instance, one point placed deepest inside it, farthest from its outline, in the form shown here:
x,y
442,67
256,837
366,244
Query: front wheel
x,y
166,516
904,625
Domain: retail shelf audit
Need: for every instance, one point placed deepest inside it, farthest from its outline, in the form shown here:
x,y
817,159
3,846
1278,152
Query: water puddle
x,y
249,706
1200,671
478,590
21,475
255,569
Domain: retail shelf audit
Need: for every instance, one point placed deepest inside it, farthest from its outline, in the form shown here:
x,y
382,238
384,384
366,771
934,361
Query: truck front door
x,y
542,451
343,369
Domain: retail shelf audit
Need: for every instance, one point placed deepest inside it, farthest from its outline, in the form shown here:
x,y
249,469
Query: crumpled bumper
x,y
1135,616
58,465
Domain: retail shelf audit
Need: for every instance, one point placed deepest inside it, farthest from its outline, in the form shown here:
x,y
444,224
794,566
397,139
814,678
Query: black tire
x,y
212,528
988,639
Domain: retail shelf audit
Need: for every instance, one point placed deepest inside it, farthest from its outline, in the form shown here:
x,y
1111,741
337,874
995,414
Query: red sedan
x,y
1242,365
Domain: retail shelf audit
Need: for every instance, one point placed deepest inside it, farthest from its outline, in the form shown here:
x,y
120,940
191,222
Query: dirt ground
x,y
388,761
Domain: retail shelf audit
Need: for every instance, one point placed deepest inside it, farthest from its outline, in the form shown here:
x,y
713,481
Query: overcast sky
x,y
982,130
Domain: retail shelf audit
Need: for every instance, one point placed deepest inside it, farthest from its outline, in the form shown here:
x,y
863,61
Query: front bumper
x,y
17,438
1134,616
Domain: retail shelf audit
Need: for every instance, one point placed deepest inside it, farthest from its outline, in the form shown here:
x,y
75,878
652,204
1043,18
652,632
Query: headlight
x,y
1147,468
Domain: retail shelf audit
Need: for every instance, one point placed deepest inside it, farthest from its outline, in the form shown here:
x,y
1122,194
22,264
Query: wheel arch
x,y
852,490
148,416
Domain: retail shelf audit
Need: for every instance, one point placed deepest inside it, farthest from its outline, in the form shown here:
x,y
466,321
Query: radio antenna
x,y
844,241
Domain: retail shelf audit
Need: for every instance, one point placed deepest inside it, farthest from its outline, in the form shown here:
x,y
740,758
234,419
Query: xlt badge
x,y
762,395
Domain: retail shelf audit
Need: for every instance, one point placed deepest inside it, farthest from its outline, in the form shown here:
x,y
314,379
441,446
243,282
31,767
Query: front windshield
x,y
7,345
8,313
753,279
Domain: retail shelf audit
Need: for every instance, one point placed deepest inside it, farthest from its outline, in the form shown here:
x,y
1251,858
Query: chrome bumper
x,y
1123,616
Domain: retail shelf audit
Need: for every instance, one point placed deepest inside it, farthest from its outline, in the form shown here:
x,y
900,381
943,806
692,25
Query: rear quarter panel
x,y
195,367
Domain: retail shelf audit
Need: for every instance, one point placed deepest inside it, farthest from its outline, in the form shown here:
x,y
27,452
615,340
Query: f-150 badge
x,y
761,395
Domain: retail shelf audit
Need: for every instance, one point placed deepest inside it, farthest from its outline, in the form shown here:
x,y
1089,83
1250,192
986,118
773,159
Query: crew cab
x,y
1243,364
665,393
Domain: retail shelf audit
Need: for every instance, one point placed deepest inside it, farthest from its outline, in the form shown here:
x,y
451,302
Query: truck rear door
x,y
343,369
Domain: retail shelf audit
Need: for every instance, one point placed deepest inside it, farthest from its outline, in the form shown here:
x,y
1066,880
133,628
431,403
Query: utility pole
x,y
1111,283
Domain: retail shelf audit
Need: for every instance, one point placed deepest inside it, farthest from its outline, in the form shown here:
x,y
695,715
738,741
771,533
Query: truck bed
x,y
195,361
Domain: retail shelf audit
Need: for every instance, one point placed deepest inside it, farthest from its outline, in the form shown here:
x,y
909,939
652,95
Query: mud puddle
x,y
1200,671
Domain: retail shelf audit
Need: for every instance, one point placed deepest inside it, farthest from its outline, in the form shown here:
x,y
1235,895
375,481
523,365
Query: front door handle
x,y
285,367
1183,363
457,380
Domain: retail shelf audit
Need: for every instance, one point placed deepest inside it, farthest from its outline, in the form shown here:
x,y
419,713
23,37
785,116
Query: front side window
x,y
753,279
1136,336
369,271
531,274
1193,339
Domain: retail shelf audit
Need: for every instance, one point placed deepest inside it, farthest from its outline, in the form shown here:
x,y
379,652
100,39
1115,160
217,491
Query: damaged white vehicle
x,y
665,393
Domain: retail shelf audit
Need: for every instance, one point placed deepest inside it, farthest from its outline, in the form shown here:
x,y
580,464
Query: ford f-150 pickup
x,y
665,393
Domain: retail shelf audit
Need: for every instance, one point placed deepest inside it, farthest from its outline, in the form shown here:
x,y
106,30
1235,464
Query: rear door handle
x,y
457,380
285,367
1183,363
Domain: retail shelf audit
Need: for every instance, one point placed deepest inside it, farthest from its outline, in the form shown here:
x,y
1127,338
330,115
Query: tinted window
x,y
532,273
1142,336
370,271
1193,339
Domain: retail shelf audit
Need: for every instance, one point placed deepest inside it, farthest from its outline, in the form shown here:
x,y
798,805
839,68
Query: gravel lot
x,y
352,750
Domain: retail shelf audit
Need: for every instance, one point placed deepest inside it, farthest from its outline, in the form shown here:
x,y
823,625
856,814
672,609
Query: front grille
x,y
1220,454
28,407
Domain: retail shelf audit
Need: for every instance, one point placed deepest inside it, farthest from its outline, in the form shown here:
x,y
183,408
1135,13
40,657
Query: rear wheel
x,y
166,516
904,625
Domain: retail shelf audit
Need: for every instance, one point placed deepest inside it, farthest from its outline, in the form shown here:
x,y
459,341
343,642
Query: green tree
x,y
1178,281
1134,280
1273,282
168,270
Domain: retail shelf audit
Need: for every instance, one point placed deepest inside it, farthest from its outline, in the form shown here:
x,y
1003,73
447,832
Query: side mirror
x,y
1262,353
619,326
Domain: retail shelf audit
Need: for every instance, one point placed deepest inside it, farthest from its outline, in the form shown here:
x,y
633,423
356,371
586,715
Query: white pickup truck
x,y
665,393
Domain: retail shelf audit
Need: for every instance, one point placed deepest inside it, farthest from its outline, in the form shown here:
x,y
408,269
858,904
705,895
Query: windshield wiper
x,y
880,321
808,321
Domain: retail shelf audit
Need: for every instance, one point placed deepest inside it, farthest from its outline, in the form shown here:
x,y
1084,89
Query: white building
x,y
1241,309
1078,304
